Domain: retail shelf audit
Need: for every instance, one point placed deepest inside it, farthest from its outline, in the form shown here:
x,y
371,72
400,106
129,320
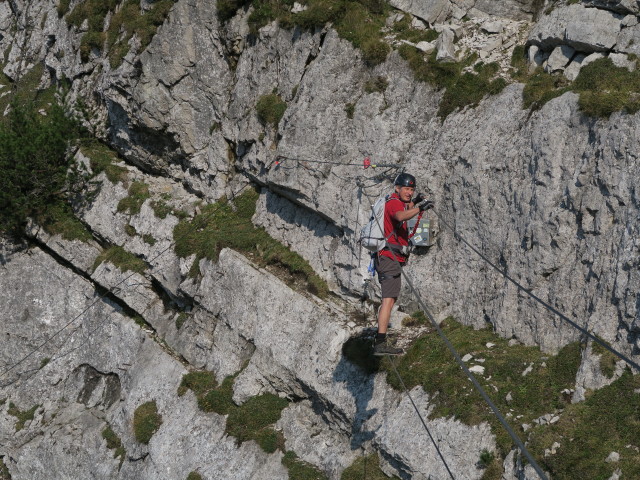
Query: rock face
x,y
549,195
437,11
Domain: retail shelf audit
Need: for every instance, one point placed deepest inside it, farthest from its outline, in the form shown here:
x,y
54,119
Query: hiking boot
x,y
384,348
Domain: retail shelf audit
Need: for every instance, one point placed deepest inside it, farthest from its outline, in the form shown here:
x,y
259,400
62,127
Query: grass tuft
x,y
607,359
23,417
365,468
270,109
219,226
378,84
301,470
350,109
146,421
199,382
415,319
114,443
404,31
102,159
542,87
138,194
429,363
127,20
605,89
607,421
252,420
194,476
461,89
180,319
125,261
59,219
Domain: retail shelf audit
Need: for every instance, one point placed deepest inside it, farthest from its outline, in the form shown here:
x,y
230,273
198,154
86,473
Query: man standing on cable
x,y
389,261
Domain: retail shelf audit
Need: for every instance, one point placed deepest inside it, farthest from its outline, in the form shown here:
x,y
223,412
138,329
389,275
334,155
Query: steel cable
x,y
101,297
471,377
536,298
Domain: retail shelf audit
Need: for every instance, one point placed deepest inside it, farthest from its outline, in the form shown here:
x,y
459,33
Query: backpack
x,y
372,234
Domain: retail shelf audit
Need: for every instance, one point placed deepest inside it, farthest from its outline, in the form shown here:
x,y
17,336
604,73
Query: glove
x,y
418,199
425,205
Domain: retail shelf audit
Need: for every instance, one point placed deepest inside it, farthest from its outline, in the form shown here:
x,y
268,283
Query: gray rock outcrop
x,y
550,195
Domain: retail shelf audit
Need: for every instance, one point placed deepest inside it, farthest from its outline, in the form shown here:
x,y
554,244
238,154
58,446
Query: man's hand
x,y
425,205
418,199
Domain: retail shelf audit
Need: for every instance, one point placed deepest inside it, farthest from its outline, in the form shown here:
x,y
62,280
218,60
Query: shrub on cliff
x,y
34,161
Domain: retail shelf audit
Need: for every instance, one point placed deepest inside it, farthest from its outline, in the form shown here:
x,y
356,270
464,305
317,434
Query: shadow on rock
x,y
356,369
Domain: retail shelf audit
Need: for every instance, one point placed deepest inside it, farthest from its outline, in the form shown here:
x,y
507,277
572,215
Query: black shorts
x,y
389,276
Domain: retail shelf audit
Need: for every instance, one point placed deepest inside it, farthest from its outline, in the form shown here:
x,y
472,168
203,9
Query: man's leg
x,y
384,314
389,275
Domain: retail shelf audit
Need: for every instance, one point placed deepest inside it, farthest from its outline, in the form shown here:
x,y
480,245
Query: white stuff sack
x,y
372,234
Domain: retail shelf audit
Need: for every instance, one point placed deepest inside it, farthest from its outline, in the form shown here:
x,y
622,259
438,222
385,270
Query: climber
x,y
389,261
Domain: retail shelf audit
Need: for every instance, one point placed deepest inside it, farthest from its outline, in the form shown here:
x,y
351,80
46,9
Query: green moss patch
x,y
365,468
199,382
4,471
541,87
417,318
219,226
378,84
194,476
180,319
253,420
114,443
461,88
603,88
127,19
608,421
301,470
22,416
146,421
404,31
59,219
607,359
148,239
138,194
103,159
430,364
125,261
270,109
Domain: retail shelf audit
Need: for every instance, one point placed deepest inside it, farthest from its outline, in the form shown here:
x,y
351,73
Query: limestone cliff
x,y
548,193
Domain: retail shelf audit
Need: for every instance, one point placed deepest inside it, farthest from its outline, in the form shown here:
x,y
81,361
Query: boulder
x,y
535,56
426,47
573,69
559,58
418,24
628,40
297,7
593,30
622,60
620,6
585,29
431,11
513,9
446,49
493,27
